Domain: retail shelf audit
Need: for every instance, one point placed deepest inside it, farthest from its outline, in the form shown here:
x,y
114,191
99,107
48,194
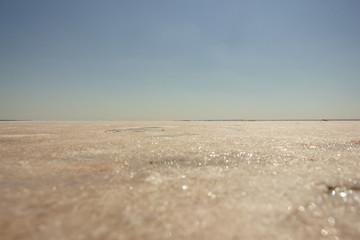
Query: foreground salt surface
x,y
180,180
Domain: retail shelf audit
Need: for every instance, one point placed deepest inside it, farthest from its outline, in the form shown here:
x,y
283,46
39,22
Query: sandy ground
x,y
179,180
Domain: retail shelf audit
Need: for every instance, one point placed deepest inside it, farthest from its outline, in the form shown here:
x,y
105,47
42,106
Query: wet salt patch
x,y
351,193
171,135
176,162
135,129
355,141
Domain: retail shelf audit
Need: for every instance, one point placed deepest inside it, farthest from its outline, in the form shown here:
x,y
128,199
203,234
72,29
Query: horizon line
x,y
193,120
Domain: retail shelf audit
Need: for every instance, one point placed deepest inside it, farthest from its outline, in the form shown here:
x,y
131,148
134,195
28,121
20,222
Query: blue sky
x,y
167,60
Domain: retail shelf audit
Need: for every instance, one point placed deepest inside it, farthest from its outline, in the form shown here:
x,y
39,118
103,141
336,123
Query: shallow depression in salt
x,y
180,180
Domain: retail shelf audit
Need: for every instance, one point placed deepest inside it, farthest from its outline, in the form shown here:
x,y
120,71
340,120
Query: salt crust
x,y
180,180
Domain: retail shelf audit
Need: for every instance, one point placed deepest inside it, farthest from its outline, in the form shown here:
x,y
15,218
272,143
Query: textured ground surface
x,y
179,180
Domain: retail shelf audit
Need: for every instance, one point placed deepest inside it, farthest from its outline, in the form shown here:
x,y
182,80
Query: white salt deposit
x,y
180,180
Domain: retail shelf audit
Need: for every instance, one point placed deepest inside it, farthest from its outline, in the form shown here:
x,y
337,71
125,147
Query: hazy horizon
x,y
178,60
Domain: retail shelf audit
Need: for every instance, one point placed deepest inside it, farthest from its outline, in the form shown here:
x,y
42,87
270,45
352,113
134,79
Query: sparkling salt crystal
x,y
343,194
301,208
324,232
211,195
312,206
184,187
331,221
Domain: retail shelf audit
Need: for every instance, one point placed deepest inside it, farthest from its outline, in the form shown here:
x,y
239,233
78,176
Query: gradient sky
x,y
168,60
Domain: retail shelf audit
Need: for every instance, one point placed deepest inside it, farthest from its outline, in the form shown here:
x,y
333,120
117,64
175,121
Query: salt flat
x,y
180,180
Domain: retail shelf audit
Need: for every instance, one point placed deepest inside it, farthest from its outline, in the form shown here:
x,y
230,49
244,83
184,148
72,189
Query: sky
x,y
185,59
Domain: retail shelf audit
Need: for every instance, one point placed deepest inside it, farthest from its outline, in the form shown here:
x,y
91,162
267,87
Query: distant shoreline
x,y
269,120
11,120
2,120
